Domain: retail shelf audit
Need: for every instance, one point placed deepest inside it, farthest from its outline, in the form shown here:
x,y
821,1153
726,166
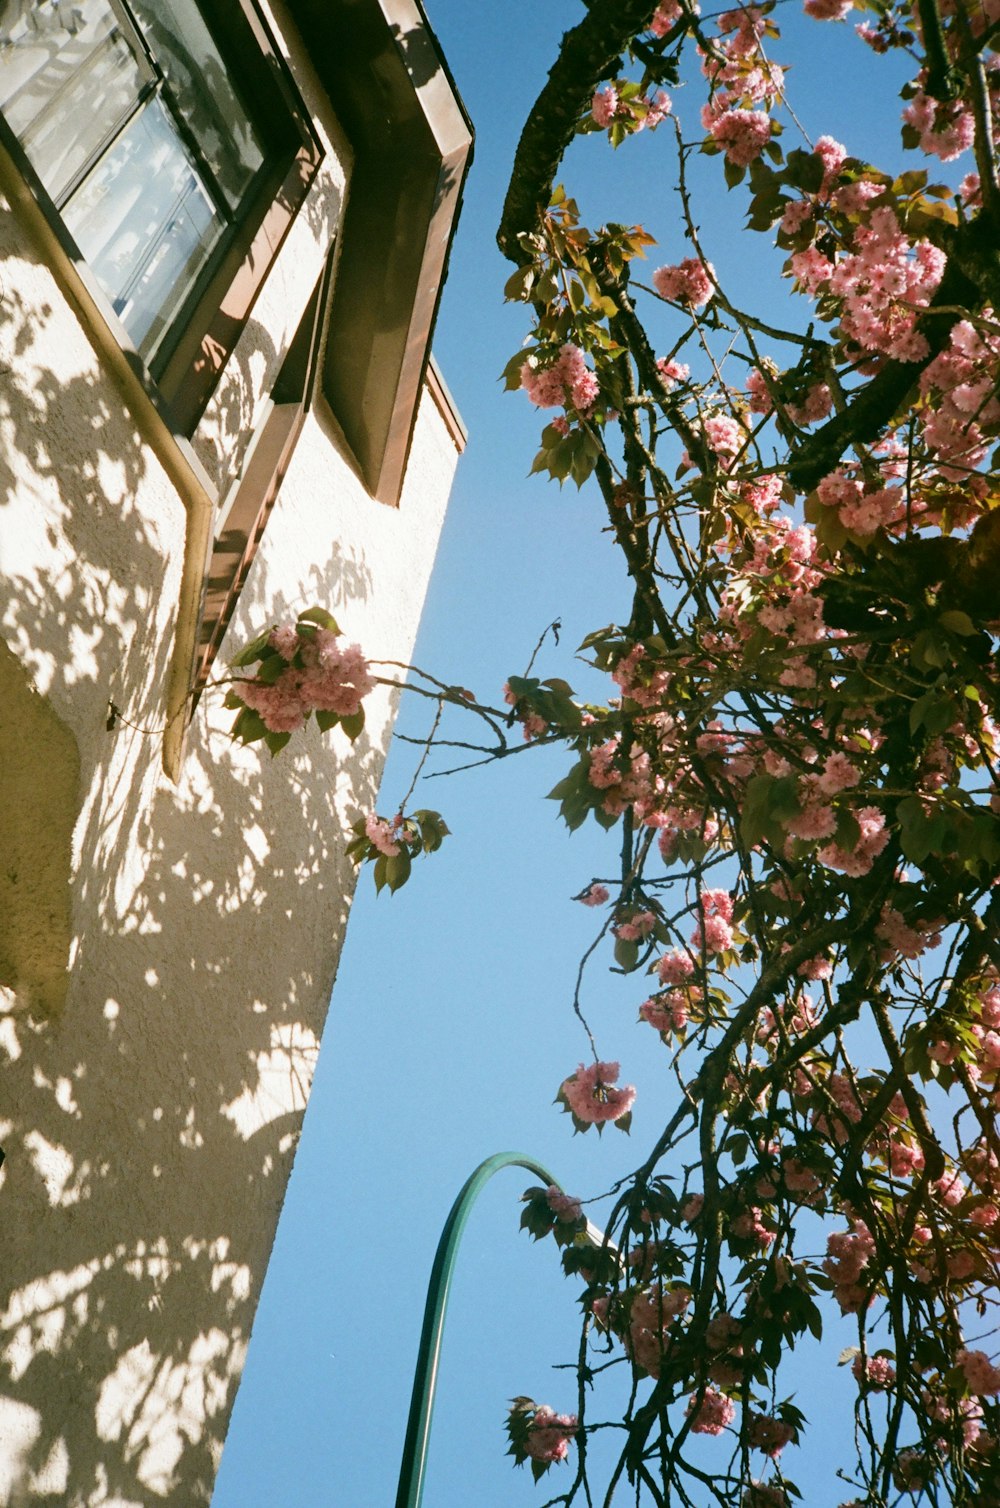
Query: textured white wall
x,y
150,1118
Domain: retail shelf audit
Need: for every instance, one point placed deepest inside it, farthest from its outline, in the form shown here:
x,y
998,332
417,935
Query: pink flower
x,y
828,10
336,677
563,1206
832,154
666,1014
672,371
743,135
285,640
591,1095
716,936
380,835
839,774
712,1414
723,435
605,105
674,967
596,895
877,1372
635,928
567,380
859,860
690,282
279,705
980,1374
664,17
550,1434
769,1434
692,1208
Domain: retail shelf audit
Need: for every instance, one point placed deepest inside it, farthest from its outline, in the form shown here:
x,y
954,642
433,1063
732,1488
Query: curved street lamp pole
x,y
418,1424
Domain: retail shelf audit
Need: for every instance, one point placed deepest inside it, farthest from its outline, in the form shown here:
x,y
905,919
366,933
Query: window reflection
x,y
131,122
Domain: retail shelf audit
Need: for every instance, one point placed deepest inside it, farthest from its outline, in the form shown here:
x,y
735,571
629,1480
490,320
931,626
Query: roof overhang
x,y
389,86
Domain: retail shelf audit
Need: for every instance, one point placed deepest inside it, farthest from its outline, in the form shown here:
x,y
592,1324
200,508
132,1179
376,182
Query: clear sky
x,y
451,1026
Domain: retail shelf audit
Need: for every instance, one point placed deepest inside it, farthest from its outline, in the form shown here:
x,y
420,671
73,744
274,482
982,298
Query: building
x,y
224,229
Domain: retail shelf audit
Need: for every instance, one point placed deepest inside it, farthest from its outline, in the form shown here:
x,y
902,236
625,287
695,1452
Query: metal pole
x,y
418,1425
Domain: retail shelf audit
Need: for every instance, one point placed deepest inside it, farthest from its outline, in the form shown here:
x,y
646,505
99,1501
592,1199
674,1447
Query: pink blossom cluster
x,y
652,1314
861,508
608,105
724,435
592,1096
636,926
627,783
859,859
722,1337
549,1434
567,381
981,1375
639,679
594,895
384,835
667,13
742,134
666,1013
828,10
848,1256
963,381
565,1208
533,725
329,677
672,372
690,282
796,1016
714,932
604,106
712,1413
884,282
902,940
769,1434
749,1226
947,128
766,1495
675,967
876,1372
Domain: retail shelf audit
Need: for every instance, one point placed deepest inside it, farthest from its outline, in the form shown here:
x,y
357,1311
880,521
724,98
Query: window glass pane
x,y
199,85
145,223
68,80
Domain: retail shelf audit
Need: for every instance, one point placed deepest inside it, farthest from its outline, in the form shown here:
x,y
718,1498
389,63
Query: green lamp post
x,y
411,1472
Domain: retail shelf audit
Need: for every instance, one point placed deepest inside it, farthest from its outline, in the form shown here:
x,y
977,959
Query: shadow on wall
x,y
150,1121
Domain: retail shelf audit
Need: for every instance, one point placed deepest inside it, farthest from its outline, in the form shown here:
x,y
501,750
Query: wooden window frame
x,y
247,507
206,329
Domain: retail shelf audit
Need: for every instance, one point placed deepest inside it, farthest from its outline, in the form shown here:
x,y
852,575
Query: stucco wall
x,y
150,1116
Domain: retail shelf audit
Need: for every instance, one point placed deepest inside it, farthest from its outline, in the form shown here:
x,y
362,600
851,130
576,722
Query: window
x,y
146,148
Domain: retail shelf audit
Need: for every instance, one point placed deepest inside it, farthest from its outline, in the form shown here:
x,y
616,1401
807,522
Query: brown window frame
x,y
209,324
247,507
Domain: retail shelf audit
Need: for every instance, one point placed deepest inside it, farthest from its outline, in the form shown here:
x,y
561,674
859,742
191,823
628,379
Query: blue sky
x,y
451,1026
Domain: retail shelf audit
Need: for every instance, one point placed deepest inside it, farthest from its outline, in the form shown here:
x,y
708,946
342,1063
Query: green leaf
x,y
253,650
957,622
276,741
397,869
327,720
354,723
518,286
249,727
769,802
320,617
733,173
626,954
